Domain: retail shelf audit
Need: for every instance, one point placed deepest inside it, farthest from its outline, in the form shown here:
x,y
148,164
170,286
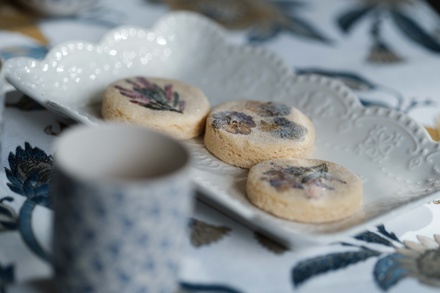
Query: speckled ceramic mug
x,y
122,199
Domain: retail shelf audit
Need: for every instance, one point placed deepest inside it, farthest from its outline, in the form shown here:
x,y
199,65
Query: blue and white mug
x,y
122,200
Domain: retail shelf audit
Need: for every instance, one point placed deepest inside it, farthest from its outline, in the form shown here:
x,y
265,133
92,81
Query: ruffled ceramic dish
x,y
398,162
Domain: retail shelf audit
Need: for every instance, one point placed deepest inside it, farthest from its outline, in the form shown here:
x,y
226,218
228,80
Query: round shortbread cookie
x,y
305,190
244,133
169,106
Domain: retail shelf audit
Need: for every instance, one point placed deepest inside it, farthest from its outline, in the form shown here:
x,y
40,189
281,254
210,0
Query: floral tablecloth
x,y
387,51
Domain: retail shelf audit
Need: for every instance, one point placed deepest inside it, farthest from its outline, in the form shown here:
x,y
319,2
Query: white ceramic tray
x,y
399,163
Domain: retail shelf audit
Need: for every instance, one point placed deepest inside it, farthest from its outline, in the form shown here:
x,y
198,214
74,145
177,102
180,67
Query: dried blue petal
x,y
268,109
233,122
284,178
281,127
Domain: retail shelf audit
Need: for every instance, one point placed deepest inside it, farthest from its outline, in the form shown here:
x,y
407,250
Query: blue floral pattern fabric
x,y
397,12
386,51
418,260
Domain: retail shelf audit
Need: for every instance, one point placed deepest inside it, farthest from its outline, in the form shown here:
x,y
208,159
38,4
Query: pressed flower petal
x,y
149,95
233,122
427,242
268,109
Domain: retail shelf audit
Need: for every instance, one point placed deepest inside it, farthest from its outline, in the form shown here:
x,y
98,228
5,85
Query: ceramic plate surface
x,y
398,162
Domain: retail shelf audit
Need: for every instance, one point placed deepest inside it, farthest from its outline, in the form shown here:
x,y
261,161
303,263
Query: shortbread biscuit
x,y
304,190
169,106
244,133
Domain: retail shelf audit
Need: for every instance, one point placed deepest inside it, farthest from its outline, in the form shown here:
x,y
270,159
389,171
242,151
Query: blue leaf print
x,y
8,217
207,288
330,262
414,31
263,33
286,21
361,84
289,6
7,275
371,237
388,271
301,27
383,231
348,19
366,103
350,79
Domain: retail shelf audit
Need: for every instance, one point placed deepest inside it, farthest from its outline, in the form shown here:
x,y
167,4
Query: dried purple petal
x,y
168,92
145,82
152,96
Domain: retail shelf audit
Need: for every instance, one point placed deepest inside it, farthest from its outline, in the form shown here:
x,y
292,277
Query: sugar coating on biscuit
x,y
166,105
244,133
305,190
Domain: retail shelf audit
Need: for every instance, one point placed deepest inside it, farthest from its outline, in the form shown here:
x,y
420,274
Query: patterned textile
x,y
386,51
